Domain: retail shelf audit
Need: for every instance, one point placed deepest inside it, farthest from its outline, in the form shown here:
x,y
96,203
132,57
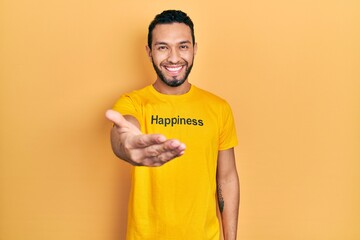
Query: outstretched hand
x,y
139,149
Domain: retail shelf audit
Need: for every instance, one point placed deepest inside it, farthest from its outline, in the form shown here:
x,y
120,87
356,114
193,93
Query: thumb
x,y
115,117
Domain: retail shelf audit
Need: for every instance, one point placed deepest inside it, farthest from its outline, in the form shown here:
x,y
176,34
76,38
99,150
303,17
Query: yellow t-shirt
x,y
177,200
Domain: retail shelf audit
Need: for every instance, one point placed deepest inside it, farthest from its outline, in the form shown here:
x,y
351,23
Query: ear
x,y
195,48
148,52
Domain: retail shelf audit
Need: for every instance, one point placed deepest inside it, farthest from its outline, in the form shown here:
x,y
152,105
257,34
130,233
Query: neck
x,y
165,89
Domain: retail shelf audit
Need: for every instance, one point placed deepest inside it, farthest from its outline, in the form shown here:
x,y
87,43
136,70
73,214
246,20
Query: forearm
x,y
118,146
119,135
130,144
229,197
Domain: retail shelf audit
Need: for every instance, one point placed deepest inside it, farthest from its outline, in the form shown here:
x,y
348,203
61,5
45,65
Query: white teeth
x,y
173,69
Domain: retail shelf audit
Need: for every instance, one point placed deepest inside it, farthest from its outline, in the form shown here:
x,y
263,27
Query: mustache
x,y
182,63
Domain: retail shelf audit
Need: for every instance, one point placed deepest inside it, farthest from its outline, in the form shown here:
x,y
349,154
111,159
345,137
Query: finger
x,y
166,156
167,150
174,145
149,140
176,149
115,117
176,152
158,161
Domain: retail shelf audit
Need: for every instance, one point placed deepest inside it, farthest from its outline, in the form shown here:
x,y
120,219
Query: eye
x,y
184,47
162,48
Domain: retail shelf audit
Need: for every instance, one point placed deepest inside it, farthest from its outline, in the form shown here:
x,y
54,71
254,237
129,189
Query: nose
x,y
174,56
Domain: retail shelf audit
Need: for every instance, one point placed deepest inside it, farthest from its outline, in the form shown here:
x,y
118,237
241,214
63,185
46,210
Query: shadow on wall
x,y
146,72
143,76
121,197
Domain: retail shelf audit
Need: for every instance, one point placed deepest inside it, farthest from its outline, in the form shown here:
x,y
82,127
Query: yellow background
x,y
289,69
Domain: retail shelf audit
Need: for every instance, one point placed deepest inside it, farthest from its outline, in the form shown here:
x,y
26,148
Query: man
x,y
175,180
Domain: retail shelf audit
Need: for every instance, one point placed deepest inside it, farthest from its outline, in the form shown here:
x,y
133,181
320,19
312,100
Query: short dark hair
x,y
170,16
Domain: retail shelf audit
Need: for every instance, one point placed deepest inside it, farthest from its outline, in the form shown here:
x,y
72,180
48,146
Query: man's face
x,y
172,52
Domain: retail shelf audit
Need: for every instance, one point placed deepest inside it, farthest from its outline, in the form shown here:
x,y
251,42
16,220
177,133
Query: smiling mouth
x,y
173,69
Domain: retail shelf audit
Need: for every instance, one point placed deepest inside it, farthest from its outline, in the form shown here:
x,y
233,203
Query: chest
x,y
189,122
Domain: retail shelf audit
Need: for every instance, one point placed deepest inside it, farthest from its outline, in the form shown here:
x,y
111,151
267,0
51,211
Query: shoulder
x,y
139,92
135,97
209,96
138,96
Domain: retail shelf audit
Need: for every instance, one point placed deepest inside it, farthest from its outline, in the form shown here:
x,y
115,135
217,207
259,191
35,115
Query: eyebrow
x,y
184,42
160,43
164,43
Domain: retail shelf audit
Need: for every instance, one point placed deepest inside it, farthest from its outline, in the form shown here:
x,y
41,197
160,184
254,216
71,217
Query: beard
x,y
173,81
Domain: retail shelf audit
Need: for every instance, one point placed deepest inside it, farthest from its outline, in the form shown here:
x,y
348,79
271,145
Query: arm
x,y
228,192
130,144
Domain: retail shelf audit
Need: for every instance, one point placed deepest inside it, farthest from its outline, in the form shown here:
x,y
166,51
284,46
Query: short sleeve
x,y
127,106
228,138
